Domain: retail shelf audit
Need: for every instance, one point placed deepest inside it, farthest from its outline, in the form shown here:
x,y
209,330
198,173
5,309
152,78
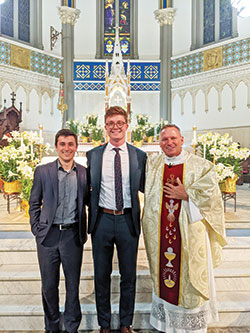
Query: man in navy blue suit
x,y
58,221
116,172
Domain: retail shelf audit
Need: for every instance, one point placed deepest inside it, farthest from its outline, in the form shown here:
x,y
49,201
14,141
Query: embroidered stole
x,y
170,240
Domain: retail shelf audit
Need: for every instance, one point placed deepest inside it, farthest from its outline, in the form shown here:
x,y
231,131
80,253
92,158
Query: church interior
x,y
64,62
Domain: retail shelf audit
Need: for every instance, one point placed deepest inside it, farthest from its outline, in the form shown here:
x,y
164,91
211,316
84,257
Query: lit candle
x,y
41,131
194,135
204,151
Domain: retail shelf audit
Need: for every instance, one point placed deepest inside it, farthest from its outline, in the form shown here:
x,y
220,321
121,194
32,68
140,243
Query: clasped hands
x,y
175,192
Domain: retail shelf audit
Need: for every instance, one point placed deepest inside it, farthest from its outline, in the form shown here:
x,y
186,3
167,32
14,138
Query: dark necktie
x,y
118,180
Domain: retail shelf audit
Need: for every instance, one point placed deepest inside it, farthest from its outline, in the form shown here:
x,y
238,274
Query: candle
x,y
204,151
194,135
21,140
41,131
31,150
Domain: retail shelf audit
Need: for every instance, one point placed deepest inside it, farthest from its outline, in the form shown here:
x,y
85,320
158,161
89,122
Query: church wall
x,y
182,27
51,18
227,120
85,31
148,30
146,103
243,26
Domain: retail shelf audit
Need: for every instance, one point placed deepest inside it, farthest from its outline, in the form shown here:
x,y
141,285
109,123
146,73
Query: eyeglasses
x,y
112,124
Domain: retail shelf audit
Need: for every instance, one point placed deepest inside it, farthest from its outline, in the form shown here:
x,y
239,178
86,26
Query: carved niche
x,y
10,118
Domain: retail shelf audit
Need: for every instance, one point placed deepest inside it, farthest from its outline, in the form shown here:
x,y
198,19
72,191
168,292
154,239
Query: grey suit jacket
x,y
137,162
44,198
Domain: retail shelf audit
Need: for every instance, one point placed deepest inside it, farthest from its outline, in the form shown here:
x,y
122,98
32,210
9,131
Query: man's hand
x,y
175,192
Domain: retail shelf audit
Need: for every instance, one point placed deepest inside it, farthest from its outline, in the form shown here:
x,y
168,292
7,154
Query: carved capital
x,y
68,14
165,16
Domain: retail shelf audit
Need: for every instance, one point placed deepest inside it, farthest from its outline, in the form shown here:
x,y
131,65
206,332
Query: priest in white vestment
x,y
183,227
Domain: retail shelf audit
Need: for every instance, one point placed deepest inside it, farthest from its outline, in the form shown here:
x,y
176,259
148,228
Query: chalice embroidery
x,y
170,255
169,277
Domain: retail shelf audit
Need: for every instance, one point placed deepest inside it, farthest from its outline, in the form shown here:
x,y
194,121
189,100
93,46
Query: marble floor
x,y
16,226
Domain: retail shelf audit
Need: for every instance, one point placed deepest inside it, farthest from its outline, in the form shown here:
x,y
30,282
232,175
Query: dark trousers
x,y
61,247
116,230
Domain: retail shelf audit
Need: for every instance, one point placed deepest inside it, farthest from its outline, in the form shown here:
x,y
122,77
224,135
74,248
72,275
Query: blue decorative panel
x,y
233,53
91,75
4,53
24,20
236,53
44,64
188,65
208,21
7,20
225,19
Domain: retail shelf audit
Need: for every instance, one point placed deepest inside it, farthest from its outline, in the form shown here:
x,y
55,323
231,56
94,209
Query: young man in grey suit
x,y
58,220
116,172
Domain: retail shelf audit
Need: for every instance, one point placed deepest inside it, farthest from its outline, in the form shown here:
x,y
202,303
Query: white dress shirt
x,y
107,191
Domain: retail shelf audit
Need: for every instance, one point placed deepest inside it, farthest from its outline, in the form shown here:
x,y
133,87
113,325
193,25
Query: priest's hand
x,y
175,192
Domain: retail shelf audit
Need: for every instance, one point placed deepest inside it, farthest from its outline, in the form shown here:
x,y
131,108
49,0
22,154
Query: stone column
x,y
68,17
165,17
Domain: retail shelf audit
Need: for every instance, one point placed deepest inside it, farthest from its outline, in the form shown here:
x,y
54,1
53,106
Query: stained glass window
x,y
225,19
109,26
7,19
208,21
117,13
24,20
124,22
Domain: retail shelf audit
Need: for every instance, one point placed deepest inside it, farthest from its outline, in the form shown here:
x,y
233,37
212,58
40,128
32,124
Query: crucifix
x,y
13,98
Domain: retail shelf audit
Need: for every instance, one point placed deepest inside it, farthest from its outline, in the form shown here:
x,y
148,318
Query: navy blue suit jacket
x,y
44,199
137,162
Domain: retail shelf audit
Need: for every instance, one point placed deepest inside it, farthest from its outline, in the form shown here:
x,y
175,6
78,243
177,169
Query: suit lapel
x,y
53,173
133,166
96,167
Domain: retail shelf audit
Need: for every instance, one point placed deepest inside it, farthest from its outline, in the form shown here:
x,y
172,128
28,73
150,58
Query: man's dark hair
x,y
65,132
114,110
169,126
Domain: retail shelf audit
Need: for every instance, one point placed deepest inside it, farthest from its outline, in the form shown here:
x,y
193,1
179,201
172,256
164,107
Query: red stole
x,y
170,240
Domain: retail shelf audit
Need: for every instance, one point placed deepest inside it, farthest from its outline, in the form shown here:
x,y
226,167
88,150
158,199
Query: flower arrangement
x,y
92,119
149,130
73,125
159,125
142,119
97,133
138,133
19,159
221,150
84,129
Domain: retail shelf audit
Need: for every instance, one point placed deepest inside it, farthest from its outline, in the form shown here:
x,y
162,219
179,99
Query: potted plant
x,y
92,119
20,157
226,154
149,132
142,119
85,132
137,135
97,135
73,125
